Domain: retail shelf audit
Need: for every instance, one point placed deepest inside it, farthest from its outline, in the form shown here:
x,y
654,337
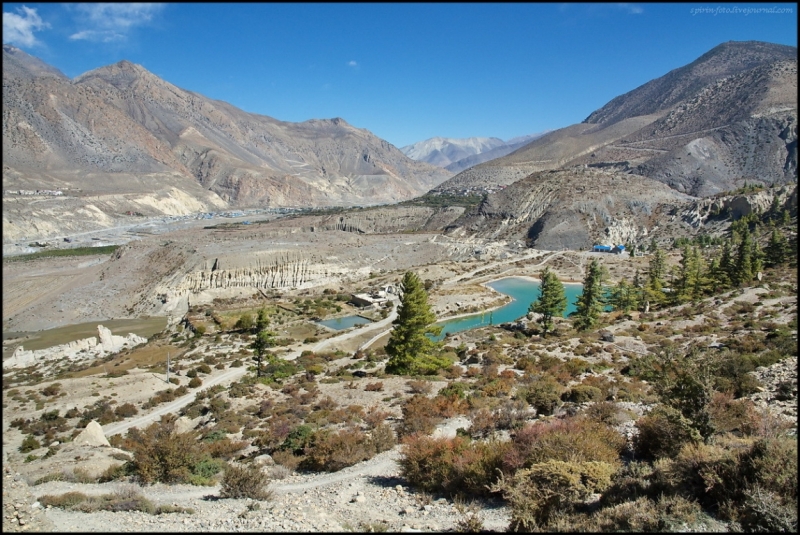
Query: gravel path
x,y
369,493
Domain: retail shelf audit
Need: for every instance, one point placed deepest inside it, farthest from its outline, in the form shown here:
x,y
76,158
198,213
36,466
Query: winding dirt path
x,y
233,374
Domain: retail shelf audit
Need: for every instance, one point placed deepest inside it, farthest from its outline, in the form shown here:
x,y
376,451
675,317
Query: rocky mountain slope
x,y
727,118
455,155
112,129
578,207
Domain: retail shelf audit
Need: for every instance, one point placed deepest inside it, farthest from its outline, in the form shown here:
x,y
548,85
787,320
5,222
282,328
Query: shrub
x,y
543,395
374,387
669,513
419,416
160,454
662,433
536,493
583,394
455,390
733,416
29,443
195,382
767,512
208,468
244,482
51,390
113,473
375,417
330,451
451,465
287,459
126,410
568,440
297,439
382,438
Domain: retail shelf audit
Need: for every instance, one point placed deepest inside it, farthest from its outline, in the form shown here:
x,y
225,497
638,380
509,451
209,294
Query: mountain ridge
x,y
121,120
736,100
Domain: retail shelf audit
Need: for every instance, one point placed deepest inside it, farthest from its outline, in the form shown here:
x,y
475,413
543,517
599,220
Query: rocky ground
x,y
367,494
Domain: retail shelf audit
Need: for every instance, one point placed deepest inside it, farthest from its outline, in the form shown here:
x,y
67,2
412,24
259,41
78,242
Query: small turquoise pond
x,y
523,292
340,324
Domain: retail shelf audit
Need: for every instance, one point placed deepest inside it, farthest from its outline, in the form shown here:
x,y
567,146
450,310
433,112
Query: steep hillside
x,y
727,118
685,82
106,130
572,209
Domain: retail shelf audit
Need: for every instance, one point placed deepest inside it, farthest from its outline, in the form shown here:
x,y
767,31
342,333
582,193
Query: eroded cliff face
x,y
572,209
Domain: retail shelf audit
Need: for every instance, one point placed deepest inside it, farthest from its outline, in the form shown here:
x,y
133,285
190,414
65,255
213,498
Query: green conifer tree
x,y
592,300
552,300
624,296
653,291
743,270
410,349
724,277
777,250
264,340
262,321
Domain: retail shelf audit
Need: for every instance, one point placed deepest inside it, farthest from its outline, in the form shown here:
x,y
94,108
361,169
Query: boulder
x,y
92,436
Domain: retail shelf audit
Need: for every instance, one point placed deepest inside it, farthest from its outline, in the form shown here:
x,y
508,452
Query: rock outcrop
x,y
92,435
83,349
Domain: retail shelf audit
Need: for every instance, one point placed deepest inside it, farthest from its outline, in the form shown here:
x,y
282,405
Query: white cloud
x,y
631,9
18,29
103,36
105,22
352,63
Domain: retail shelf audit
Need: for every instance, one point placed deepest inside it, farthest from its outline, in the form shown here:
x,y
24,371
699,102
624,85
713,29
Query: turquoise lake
x,y
523,293
344,323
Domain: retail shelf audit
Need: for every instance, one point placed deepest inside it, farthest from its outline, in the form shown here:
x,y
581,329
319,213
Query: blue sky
x,y
406,72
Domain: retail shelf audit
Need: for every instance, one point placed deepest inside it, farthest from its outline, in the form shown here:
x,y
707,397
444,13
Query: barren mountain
x,y
455,155
727,118
443,151
572,209
110,130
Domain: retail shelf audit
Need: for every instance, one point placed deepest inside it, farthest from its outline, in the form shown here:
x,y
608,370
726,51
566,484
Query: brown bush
x,y
160,454
417,386
451,465
733,416
330,452
126,410
374,387
244,482
662,433
568,440
375,417
287,459
420,415
536,493
224,449
382,438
